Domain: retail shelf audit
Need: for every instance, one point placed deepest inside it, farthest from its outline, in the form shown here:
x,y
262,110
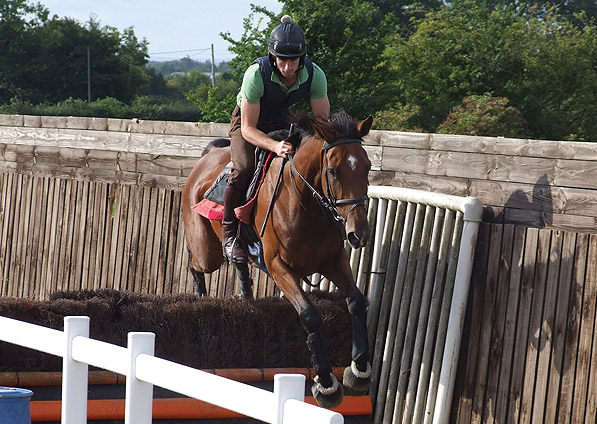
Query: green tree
x,y
454,53
349,57
346,40
253,41
558,91
484,115
188,82
186,64
45,60
216,103
545,66
17,19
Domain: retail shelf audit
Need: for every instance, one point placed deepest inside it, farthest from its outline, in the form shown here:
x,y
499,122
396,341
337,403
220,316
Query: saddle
x,y
212,204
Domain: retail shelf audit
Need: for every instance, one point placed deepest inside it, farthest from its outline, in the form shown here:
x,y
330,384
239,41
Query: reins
x,y
327,203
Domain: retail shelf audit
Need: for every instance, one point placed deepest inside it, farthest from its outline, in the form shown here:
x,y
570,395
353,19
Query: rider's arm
x,y
320,103
249,115
321,108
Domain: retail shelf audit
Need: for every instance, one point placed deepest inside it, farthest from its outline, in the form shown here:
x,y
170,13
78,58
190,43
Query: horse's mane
x,y
344,124
340,121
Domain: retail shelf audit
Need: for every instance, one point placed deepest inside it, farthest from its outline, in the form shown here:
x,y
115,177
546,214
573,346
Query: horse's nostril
x,y
353,239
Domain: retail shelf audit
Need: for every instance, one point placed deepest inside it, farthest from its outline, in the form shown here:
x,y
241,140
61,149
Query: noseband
x,y
328,203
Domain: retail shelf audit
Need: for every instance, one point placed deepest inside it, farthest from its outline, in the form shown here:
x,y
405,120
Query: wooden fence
x,y
530,354
95,203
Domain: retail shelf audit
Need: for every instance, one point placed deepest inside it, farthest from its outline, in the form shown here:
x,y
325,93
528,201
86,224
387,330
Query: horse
x,y
319,200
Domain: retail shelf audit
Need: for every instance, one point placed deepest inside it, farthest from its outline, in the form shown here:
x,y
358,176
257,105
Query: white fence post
x,y
287,386
74,374
456,321
139,394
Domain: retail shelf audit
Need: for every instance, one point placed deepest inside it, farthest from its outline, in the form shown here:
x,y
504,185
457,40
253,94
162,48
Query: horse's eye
x,y
332,172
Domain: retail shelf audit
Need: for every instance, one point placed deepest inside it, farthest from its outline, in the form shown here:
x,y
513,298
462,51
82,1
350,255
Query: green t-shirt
x,y
252,86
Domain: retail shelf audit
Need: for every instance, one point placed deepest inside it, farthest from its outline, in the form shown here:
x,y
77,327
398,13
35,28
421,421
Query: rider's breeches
x,y
242,154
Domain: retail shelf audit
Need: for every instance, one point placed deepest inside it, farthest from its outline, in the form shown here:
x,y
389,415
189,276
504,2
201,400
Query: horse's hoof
x,y
356,382
327,397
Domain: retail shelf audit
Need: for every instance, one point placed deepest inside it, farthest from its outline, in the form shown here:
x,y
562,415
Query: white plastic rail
x,y
285,405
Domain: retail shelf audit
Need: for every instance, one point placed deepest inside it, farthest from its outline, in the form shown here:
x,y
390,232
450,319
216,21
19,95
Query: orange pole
x,y
46,379
177,408
33,379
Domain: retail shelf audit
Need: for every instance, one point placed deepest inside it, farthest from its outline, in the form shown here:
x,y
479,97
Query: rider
x,y
271,85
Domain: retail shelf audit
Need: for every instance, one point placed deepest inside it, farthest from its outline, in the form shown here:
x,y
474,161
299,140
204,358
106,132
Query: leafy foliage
x,y
454,53
408,62
143,107
46,60
253,41
542,63
484,115
558,90
186,64
399,118
188,81
215,103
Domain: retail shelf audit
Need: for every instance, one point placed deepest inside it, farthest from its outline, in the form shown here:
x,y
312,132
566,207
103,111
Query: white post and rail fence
x,y
285,405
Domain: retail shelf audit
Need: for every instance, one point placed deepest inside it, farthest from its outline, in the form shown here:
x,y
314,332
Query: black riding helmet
x,y
287,40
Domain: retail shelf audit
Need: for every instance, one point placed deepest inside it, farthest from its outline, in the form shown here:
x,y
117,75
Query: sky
x,y
173,28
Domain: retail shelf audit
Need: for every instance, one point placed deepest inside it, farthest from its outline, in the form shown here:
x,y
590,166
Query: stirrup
x,y
234,251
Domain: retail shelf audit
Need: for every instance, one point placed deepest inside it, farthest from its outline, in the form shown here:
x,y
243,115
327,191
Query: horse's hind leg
x,y
198,282
246,283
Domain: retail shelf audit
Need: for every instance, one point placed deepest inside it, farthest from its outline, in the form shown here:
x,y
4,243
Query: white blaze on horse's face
x,y
352,161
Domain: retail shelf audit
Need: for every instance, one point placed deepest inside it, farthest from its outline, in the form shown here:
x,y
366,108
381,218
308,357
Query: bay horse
x,y
319,200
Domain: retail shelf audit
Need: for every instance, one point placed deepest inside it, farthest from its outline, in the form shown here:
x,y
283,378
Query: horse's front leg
x,y
327,391
357,376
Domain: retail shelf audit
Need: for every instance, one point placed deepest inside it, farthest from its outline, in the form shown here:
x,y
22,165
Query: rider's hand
x,y
283,148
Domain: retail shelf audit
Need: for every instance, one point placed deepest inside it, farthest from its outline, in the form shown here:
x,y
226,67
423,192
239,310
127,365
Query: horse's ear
x,y
364,127
324,131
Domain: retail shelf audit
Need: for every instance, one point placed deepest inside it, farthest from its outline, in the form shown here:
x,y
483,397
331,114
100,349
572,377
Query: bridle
x,y
328,202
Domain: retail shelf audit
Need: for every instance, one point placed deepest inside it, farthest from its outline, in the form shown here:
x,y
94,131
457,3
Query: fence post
x,y
287,386
74,374
472,216
139,394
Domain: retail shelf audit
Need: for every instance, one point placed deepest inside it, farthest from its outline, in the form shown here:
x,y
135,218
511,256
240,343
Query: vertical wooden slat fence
x,y
71,235
532,354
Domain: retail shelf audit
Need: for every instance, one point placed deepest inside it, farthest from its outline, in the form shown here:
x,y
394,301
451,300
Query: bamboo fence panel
x,y
63,234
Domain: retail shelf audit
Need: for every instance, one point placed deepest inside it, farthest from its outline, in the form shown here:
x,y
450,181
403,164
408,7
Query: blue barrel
x,y
14,405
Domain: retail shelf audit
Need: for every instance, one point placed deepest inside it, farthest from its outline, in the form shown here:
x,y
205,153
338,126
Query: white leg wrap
x,y
360,374
327,390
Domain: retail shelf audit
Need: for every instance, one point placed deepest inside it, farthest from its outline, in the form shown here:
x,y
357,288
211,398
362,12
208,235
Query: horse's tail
x,y
215,144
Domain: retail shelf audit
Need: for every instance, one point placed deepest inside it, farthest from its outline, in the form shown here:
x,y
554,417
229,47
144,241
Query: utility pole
x,y
213,69
88,76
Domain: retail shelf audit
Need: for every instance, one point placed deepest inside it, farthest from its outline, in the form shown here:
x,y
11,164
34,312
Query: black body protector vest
x,y
275,105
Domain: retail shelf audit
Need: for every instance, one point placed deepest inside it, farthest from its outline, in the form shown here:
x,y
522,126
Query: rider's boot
x,y
232,245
